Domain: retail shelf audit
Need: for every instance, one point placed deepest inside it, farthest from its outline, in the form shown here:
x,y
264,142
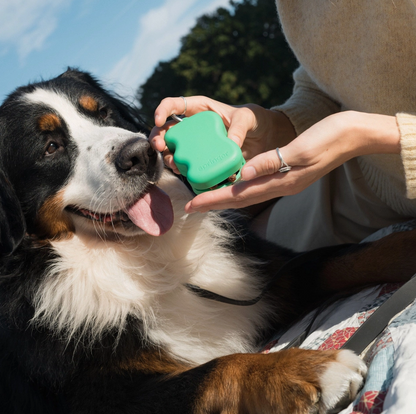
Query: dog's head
x,y
73,158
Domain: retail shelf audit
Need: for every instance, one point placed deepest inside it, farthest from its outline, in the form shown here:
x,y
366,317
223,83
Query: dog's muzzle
x,y
152,212
137,157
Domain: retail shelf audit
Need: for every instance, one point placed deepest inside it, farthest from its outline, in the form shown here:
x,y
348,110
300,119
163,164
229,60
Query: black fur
x,y
41,372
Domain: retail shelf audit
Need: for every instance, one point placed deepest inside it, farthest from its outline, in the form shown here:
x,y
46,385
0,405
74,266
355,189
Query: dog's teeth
x,y
104,217
108,218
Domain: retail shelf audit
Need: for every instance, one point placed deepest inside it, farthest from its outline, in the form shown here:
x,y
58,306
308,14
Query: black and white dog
x,y
96,255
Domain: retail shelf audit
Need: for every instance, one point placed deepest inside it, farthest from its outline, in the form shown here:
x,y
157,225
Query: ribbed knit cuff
x,y
407,127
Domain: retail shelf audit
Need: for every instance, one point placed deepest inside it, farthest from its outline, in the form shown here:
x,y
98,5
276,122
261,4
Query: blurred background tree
x,y
235,56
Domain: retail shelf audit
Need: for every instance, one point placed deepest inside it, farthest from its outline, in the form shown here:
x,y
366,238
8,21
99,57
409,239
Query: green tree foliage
x,y
235,56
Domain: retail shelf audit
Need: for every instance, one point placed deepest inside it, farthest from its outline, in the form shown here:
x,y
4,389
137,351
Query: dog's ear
x,y
12,221
80,76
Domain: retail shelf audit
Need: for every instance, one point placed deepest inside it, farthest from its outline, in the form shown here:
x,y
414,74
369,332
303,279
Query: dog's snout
x,y
135,156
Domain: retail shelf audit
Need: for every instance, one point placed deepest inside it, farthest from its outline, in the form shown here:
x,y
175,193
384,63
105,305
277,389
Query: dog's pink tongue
x,y
153,213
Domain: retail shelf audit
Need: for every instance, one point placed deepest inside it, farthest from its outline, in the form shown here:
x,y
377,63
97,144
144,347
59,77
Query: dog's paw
x,y
317,382
341,381
292,381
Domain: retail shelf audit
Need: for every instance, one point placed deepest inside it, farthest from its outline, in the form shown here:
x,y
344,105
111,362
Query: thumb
x,y
237,133
243,120
267,163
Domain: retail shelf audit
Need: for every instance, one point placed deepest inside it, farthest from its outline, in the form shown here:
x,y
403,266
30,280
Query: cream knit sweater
x,y
359,55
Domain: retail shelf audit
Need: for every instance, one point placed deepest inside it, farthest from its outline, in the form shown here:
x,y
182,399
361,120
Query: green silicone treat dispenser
x,y
203,153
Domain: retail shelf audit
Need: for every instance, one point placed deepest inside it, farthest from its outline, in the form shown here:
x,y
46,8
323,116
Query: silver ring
x,y
186,105
284,167
176,118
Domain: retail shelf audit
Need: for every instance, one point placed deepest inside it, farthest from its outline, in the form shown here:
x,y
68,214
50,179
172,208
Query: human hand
x,y
314,153
252,127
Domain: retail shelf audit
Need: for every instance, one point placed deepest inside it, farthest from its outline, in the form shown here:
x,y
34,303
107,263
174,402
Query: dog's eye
x,y
103,113
52,148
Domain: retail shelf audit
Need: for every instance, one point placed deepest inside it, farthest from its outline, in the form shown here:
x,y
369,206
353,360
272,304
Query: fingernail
x,y
189,209
192,210
158,120
248,173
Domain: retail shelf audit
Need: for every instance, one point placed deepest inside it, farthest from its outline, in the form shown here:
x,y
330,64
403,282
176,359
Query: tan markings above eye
x,y
49,122
88,103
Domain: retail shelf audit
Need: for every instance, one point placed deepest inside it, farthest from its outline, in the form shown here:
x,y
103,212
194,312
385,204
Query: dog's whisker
x,y
97,201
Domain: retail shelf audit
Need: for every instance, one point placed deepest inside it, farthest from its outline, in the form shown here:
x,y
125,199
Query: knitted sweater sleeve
x,y
308,104
407,127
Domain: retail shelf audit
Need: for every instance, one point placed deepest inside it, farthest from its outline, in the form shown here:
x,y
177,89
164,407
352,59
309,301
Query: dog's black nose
x,y
135,156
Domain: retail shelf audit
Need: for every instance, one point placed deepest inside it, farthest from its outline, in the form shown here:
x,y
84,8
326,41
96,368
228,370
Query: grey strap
x,y
375,324
378,321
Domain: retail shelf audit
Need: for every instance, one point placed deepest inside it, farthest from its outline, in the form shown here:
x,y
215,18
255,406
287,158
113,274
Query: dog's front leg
x,y
288,382
294,381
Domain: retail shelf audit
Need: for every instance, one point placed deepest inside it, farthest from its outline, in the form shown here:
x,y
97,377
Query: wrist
x,y
278,129
371,133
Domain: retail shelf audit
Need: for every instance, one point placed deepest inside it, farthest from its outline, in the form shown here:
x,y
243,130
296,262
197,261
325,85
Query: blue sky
x,y
120,42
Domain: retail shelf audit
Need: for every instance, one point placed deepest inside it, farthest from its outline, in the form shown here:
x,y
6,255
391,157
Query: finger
x,y
209,200
157,138
243,120
169,106
157,135
169,162
157,141
194,104
239,195
267,163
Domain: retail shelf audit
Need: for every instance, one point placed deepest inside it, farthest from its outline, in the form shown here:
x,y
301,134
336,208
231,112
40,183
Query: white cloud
x,y
26,24
158,39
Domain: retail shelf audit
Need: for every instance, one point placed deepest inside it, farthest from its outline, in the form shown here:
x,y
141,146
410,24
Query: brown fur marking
x,y
154,362
49,122
53,222
88,103
258,383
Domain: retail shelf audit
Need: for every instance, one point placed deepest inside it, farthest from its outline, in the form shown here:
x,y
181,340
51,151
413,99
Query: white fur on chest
x,y
94,285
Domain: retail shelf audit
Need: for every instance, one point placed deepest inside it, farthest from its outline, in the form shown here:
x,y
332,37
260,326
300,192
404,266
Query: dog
x,y
97,256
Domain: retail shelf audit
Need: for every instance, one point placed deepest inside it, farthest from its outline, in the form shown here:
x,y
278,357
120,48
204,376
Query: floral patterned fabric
x,y
391,381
